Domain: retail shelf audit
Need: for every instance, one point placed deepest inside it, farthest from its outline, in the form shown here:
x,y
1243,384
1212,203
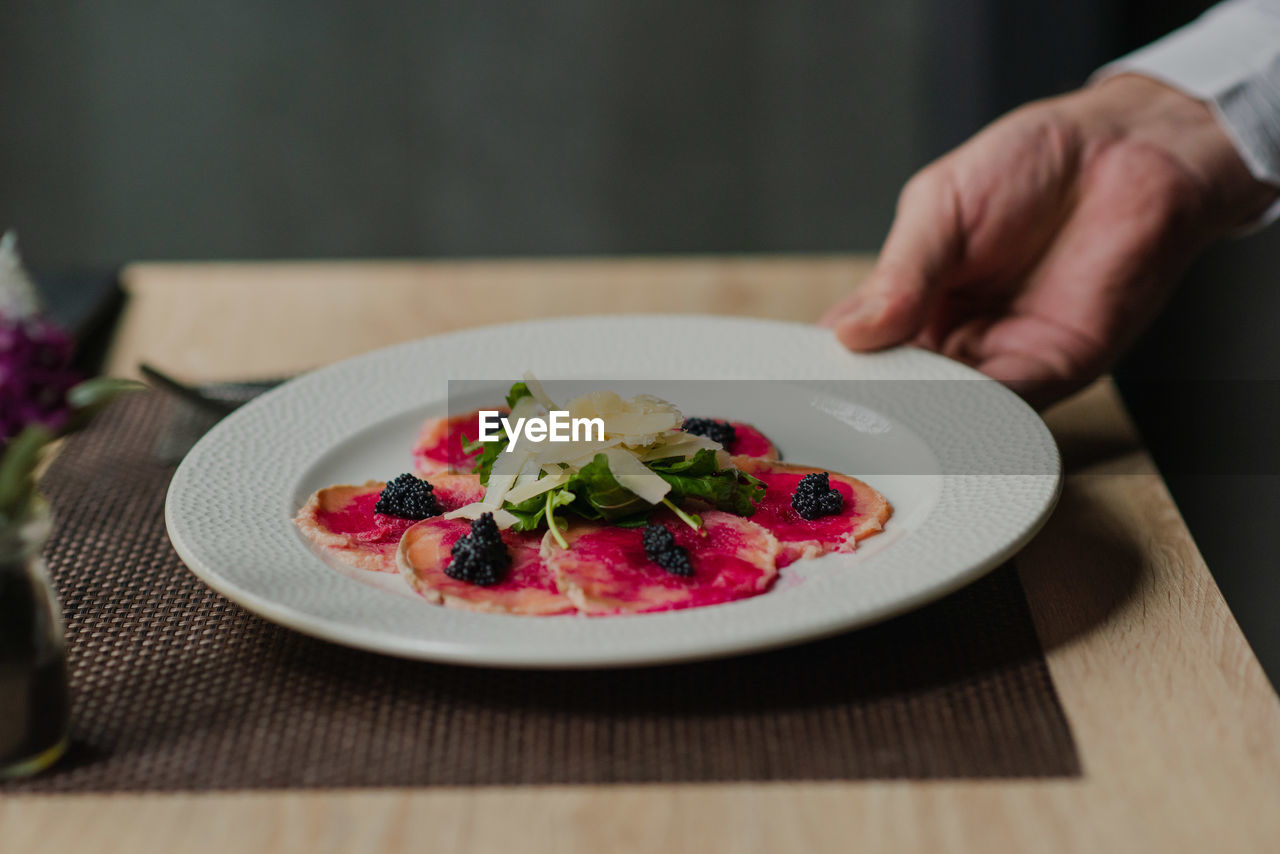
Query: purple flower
x,y
35,374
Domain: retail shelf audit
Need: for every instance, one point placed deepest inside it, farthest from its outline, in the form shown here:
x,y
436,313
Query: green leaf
x,y
729,490
100,391
518,390
17,469
532,511
600,496
89,398
489,456
701,464
594,493
701,477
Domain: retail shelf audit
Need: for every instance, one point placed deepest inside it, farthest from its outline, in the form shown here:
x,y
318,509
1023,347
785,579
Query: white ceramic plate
x,y
972,473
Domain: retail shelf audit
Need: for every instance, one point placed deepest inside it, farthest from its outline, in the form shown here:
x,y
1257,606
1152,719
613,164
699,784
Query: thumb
x,y
921,251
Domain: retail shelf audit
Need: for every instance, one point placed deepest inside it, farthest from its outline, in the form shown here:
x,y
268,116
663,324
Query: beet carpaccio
x,y
645,510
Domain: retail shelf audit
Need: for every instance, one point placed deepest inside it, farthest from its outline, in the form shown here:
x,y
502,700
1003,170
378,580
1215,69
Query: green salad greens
x,y
592,491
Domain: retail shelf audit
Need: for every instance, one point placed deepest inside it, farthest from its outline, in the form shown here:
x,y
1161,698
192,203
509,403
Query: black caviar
x,y
480,557
721,432
815,497
660,547
408,497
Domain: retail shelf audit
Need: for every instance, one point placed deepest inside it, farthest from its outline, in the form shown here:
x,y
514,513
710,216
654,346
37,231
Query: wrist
x,y
1139,110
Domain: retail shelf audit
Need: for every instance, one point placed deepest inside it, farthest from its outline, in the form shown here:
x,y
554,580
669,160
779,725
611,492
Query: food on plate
x,y
862,510
525,586
737,437
408,497
608,570
442,444
450,444
644,511
359,525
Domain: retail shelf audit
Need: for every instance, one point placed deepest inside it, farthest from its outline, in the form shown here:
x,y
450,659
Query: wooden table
x,y
1177,728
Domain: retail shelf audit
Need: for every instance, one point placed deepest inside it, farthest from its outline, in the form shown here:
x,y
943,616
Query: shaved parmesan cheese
x,y
526,407
647,403
475,510
633,476
595,404
529,473
524,491
539,393
563,452
679,445
503,476
638,423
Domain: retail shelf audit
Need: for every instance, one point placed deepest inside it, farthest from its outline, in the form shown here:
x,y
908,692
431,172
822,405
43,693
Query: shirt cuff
x,y
1230,59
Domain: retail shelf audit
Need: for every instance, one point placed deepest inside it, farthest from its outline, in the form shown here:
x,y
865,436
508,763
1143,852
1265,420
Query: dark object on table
x,y
86,303
201,407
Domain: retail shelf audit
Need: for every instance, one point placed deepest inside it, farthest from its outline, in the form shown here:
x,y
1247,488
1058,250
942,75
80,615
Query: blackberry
x,y
660,547
408,497
815,497
480,557
721,432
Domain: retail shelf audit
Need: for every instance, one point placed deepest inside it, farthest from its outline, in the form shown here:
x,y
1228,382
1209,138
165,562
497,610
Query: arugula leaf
x,y
600,496
594,493
729,490
491,450
489,456
701,464
532,512
517,391
700,476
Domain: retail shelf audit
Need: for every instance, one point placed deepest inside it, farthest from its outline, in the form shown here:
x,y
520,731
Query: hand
x,y
1038,250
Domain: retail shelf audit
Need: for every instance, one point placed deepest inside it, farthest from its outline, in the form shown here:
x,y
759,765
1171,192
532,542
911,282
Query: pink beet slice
x,y
605,569
750,442
341,520
528,588
439,447
865,511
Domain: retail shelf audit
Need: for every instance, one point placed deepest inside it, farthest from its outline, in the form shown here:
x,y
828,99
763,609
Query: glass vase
x,y
33,661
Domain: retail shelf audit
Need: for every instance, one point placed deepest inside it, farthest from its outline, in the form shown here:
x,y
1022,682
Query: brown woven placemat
x,y
174,687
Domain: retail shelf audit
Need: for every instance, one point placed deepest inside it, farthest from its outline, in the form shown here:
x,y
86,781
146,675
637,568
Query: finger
x,y
917,259
1039,382
964,341
1040,358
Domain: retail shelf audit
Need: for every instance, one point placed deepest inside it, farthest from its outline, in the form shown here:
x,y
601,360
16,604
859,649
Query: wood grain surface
x,y
1177,728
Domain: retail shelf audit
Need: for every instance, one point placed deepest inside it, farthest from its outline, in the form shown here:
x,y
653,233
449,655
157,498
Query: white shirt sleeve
x,y
1229,58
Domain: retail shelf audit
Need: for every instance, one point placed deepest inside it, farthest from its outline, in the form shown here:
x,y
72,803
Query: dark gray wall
x,y
243,128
